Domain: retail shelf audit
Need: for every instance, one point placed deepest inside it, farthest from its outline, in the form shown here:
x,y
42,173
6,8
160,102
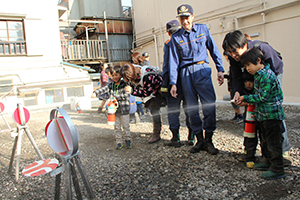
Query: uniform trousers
x,y
196,81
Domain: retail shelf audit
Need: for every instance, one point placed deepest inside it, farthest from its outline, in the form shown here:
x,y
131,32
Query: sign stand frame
x,y
18,143
68,164
68,167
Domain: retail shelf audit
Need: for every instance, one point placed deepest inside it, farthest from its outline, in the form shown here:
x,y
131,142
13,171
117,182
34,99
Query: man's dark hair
x,y
233,40
251,56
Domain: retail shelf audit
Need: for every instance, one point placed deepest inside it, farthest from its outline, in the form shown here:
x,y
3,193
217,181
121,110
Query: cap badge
x,y
183,9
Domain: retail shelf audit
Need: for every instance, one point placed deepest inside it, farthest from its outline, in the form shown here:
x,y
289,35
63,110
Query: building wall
x,y
41,68
280,28
88,8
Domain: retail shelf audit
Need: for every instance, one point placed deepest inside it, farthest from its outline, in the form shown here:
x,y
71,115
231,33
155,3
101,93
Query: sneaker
x,y
119,146
233,119
238,120
287,159
250,164
128,144
261,166
242,157
269,175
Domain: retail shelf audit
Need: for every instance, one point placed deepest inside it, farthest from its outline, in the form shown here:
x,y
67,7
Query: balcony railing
x,y
84,50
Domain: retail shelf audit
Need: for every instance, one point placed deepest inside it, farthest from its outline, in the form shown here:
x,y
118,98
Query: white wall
x,y
281,29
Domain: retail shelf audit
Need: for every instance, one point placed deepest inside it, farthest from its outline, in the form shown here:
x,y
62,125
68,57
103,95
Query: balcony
x,y
83,50
86,51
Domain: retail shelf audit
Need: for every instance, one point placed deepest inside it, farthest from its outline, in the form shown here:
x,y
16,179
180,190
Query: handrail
x,y
83,49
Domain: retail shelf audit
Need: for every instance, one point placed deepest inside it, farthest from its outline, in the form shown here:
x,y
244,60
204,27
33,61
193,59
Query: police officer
x,y
173,103
188,59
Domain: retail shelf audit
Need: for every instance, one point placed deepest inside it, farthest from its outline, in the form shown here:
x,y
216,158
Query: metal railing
x,y
83,50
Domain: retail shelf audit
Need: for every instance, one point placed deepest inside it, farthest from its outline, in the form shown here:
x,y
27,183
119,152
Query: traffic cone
x,y
250,122
111,110
78,108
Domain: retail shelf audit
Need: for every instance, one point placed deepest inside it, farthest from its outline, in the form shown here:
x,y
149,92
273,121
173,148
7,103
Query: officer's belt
x,y
198,63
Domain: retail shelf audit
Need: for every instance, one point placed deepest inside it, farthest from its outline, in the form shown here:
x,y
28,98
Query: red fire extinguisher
x,y
78,108
250,122
111,110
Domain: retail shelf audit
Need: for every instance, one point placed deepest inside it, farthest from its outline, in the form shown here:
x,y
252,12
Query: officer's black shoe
x,y
209,146
190,143
197,148
173,144
175,141
199,145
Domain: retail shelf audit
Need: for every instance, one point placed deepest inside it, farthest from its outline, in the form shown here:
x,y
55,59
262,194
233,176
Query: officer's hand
x,y
220,78
173,91
94,95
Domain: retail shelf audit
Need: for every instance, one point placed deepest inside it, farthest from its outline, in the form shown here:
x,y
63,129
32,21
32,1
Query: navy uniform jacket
x,y
165,67
190,47
271,57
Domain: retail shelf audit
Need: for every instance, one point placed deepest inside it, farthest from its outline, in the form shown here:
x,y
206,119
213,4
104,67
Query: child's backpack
x,y
144,69
132,102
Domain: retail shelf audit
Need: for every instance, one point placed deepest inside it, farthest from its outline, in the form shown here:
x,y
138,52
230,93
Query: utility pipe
x,y
106,36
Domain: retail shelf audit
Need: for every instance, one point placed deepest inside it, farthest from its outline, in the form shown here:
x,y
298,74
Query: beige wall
x,y
279,25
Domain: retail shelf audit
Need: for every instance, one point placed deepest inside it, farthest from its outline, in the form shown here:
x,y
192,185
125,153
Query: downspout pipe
x,y
106,36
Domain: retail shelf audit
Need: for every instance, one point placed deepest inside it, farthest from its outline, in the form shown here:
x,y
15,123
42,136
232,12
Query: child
x,y
133,109
105,78
121,92
139,104
250,139
268,99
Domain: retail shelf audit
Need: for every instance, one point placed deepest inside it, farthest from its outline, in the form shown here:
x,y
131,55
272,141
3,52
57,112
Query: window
x,y
5,86
54,96
30,99
95,85
12,40
75,92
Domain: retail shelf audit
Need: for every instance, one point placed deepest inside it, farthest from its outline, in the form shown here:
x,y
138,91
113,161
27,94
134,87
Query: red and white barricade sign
x,y
62,135
40,167
2,107
21,115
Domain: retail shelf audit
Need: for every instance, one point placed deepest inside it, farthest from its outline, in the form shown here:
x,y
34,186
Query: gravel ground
x,y
151,171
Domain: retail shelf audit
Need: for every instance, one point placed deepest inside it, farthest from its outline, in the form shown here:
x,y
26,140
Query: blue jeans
x,y
140,109
285,144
